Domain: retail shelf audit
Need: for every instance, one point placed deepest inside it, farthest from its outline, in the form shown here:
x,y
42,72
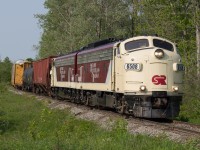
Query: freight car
x,y
28,79
41,75
17,73
142,76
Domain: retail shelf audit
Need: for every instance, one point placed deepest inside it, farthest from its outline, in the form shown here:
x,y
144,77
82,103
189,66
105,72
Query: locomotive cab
x,y
149,73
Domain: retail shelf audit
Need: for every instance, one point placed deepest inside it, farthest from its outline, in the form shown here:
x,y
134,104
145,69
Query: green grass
x,y
190,111
26,123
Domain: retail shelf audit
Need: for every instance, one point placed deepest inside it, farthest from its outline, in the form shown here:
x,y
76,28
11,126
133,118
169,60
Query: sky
x,y
19,29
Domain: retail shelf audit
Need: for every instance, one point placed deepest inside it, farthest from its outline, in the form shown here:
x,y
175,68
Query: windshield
x,y
136,44
163,44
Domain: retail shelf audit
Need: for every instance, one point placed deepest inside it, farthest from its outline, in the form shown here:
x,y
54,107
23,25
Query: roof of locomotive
x,y
95,46
147,37
110,45
73,53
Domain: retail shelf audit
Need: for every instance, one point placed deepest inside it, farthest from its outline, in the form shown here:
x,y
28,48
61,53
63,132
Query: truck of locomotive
x,y
142,76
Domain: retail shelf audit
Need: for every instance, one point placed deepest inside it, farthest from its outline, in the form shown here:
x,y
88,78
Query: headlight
x,y
159,53
142,88
175,88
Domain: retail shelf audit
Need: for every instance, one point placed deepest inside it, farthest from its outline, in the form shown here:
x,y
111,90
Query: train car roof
x,y
44,58
66,55
95,46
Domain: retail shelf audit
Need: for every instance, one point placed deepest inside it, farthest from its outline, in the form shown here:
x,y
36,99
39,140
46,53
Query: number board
x,y
132,66
180,67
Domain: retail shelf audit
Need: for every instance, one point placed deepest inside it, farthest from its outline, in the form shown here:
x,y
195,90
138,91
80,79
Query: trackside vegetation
x,y
26,123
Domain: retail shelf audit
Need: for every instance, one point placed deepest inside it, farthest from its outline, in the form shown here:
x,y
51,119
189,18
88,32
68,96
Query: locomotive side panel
x,y
94,69
94,72
88,70
97,79
63,71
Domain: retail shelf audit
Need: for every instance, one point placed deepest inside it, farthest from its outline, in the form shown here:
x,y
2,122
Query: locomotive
x,y
141,76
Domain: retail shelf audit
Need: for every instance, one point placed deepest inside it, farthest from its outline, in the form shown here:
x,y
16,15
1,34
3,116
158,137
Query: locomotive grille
x,y
159,94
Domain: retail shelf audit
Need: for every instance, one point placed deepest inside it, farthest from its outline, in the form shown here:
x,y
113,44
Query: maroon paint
x,y
42,71
93,72
66,73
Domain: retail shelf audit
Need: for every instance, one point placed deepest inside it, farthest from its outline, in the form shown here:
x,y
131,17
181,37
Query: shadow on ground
x,y
5,124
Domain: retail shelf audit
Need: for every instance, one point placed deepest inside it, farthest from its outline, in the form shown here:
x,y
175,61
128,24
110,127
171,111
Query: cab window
x,y
163,44
142,43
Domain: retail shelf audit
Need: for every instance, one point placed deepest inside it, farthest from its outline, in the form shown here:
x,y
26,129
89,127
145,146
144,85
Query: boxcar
x,y
41,75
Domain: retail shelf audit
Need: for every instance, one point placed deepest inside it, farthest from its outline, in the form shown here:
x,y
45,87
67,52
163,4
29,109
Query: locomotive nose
x,y
158,75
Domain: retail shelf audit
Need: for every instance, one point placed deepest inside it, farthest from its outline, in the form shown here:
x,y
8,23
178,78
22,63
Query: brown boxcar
x,y
41,75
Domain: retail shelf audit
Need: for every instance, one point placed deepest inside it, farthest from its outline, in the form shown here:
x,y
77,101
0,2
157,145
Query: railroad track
x,y
185,129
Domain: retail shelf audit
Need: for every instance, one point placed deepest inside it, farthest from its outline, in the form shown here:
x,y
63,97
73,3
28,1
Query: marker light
x,y
178,67
159,53
142,88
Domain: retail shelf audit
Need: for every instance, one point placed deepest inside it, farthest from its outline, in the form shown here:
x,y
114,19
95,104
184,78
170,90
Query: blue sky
x,y
19,30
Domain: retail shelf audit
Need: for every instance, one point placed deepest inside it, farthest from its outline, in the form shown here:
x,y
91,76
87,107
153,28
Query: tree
x,y
72,24
29,59
5,70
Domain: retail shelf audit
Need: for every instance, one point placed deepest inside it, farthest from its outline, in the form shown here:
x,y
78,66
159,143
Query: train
x,y
140,76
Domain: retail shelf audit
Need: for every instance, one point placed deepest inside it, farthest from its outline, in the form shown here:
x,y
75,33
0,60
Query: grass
x,y
190,111
26,123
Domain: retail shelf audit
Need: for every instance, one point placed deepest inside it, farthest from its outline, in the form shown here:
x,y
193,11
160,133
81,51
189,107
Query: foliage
x,y
5,70
29,59
30,125
72,24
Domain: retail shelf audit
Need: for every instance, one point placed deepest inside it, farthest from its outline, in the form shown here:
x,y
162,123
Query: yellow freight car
x,y
18,71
